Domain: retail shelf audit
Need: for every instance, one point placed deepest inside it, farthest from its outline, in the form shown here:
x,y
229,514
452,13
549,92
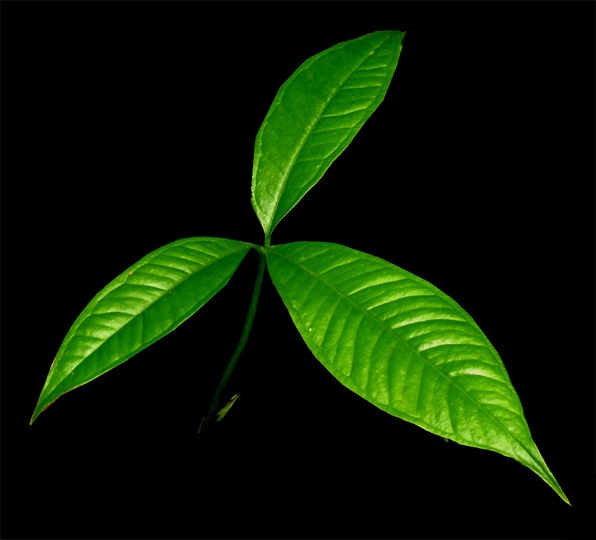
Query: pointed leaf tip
x,y
143,304
315,115
405,346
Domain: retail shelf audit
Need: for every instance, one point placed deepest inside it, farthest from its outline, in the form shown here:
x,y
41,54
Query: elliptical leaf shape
x,y
389,336
403,345
314,116
143,304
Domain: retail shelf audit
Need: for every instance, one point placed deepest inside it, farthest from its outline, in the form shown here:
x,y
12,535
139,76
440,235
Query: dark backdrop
x,y
128,127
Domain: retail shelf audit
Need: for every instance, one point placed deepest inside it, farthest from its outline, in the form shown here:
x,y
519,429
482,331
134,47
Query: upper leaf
x,y
404,346
313,118
143,304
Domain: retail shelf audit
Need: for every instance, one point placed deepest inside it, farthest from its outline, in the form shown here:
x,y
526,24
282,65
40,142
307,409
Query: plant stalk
x,y
252,310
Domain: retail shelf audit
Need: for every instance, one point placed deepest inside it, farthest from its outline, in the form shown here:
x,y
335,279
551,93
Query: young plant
x,y
389,336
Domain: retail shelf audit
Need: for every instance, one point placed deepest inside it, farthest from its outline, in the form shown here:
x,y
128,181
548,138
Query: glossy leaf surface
x,y
314,116
143,304
404,346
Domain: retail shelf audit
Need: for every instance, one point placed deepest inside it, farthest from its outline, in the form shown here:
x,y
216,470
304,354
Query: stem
x,y
252,310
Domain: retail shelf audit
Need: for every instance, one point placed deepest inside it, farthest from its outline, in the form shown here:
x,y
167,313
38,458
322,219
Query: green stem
x,y
252,310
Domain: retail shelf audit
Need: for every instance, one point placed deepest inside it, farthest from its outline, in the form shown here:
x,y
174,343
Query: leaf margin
x,y
271,221
546,475
47,398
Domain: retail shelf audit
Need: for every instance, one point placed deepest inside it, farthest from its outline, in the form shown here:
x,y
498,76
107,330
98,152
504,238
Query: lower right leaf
x,y
404,346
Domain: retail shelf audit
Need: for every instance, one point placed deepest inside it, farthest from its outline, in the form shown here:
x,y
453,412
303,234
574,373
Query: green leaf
x,y
404,346
314,116
143,304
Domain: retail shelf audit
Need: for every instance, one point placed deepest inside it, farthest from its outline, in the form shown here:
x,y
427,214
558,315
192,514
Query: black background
x,y
128,127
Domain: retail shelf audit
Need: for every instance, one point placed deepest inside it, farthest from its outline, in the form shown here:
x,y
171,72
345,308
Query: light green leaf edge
x,y
328,287
314,116
143,304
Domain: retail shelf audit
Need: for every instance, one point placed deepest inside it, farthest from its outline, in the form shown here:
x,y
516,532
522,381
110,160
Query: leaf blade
x,y
314,116
140,306
404,346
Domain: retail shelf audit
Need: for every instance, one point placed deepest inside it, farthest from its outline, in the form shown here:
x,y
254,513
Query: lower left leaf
x,y
140,306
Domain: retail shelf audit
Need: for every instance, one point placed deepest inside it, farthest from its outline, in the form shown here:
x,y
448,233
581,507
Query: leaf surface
x,y
143,304
314,116
404,346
